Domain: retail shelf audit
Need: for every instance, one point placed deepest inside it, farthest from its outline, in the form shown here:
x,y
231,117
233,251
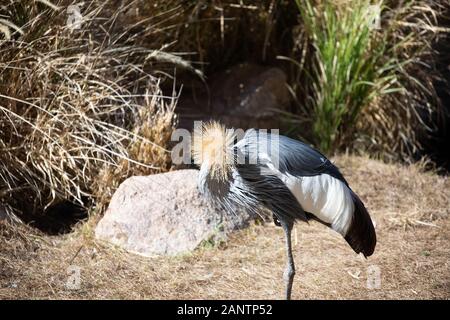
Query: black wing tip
x,y
361,235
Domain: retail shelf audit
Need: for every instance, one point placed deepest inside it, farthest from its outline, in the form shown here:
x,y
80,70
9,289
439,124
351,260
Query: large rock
x,y
163,214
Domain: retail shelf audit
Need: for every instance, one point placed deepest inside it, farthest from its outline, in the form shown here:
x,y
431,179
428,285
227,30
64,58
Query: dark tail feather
x,y
361,234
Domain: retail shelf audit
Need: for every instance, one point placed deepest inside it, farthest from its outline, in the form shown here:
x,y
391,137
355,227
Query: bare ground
x,y
411,209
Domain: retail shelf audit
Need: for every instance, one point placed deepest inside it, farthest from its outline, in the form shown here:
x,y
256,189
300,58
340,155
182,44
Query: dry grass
x,y
412,213
81,109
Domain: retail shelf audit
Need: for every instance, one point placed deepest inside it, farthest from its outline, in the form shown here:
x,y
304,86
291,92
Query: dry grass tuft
x,y
81,109
413,261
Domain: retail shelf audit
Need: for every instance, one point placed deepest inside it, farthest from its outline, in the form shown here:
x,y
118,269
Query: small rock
x,y
163,214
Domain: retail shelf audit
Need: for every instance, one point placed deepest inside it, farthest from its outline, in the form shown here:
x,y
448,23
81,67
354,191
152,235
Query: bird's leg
x,y
290,268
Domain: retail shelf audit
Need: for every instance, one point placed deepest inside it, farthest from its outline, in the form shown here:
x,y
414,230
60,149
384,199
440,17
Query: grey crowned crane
x,y
268,172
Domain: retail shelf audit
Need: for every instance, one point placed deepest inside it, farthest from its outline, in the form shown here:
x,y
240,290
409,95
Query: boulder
x,y
164,214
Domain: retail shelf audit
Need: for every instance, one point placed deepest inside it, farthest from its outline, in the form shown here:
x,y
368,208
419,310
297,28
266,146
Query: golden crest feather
x,y
213,145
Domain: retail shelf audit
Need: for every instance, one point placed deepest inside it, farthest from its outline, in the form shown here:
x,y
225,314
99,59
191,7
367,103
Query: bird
x,y
267,172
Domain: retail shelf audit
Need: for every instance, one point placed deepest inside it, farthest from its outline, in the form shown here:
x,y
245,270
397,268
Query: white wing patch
x,y
326,197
